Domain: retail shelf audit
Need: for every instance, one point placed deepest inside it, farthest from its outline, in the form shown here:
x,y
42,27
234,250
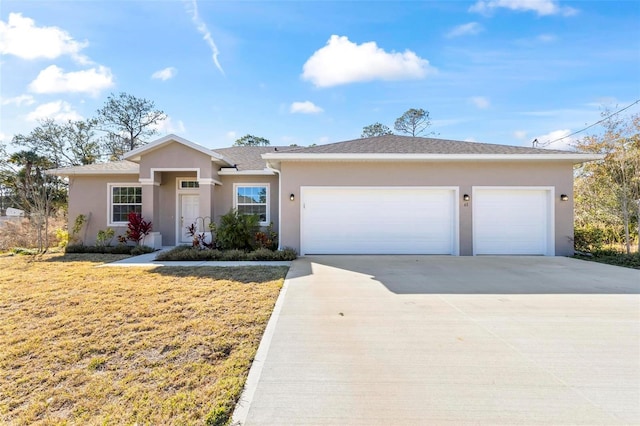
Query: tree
x,y
250,140
69,144
375,129
413,122
607,190
37,192
127,121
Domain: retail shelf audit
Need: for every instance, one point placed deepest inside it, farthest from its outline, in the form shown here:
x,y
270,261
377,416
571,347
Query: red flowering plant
x,y
137,228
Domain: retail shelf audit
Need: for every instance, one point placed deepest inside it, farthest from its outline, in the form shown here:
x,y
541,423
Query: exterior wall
x,y
465,175
177,156
88,195
223,195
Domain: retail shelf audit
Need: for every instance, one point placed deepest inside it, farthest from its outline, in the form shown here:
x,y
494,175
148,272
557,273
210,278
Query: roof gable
x,y
136,154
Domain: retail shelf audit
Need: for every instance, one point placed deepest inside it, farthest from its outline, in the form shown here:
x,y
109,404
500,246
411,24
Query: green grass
x,y
87,345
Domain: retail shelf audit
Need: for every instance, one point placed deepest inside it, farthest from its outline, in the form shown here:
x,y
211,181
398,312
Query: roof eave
x,y
63,172
234,172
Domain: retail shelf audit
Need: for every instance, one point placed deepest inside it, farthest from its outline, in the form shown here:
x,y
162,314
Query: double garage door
x,y
421,220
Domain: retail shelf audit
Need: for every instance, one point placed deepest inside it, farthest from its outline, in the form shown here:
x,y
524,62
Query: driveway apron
x,y
413,340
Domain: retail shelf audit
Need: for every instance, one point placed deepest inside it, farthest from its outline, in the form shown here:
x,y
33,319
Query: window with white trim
x,y
252,199
189,184
123,199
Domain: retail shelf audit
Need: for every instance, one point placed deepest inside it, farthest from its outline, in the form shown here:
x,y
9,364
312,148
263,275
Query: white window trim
x,y
249,185
180,180
110,187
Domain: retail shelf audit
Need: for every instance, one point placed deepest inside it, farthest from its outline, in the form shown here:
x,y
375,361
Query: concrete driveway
x,y
380,340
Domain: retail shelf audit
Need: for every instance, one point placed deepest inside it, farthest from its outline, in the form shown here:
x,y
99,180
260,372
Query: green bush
x,y
588,238
119,249
187,253
236,231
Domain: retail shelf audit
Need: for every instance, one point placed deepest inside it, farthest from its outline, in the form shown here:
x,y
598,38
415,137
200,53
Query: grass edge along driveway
x,y
87,345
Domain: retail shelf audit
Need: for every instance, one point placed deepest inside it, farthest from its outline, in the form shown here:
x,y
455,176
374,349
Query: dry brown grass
x,y
21,232
87,345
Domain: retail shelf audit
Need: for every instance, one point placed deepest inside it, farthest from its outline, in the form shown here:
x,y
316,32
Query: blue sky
x,y
498,71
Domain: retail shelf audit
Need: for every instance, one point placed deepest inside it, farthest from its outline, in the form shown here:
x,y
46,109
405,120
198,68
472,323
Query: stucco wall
x,y
177,156
223,195
464,175
88,195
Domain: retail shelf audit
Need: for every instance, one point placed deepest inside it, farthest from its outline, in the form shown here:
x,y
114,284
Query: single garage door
x,y
367,220
513,221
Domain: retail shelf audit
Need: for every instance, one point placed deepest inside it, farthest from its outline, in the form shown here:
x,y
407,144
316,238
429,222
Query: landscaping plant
x,y
137,228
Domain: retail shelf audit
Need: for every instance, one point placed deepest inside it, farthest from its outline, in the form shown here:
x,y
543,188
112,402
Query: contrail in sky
x,y
192,9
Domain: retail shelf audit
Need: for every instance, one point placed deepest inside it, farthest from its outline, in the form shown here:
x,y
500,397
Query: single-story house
x,y
381,195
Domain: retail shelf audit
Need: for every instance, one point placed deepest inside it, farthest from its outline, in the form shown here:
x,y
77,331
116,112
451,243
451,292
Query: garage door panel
x,y
511,221
377,221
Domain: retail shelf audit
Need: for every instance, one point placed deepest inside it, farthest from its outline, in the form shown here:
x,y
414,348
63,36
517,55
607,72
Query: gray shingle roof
x,y
249,157
113,167
394,144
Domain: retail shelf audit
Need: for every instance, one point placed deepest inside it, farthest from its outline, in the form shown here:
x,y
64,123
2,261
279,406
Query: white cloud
x,y
471,139
19,100
168,126
541,7
480,102
54,80
164,74
342,61
546,38
57,110
323,140
3,137
520,134
471,28
19,36
306,107
557,140
192,9
232,135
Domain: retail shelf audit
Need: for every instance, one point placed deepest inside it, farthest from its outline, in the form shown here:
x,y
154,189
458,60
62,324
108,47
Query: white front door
x,y
189,213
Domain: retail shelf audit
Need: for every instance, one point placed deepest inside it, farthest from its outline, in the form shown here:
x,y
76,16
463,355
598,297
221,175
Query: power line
x,y
536,143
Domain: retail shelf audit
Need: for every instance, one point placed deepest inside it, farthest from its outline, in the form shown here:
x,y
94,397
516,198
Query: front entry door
x,y
189,213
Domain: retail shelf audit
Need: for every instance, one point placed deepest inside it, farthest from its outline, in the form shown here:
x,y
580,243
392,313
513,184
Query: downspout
x,y
279,204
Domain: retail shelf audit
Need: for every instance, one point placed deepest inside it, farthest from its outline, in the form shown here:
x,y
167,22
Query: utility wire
x,y
536,143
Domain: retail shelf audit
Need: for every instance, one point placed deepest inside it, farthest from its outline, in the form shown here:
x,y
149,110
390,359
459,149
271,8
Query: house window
x,y
253,199
123,199
189,184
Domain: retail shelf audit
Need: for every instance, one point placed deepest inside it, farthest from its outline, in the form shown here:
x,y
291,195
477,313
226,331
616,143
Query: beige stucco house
x,y
382,195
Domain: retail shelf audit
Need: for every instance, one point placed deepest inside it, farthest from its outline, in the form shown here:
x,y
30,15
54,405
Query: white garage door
x,y
512,221
361,220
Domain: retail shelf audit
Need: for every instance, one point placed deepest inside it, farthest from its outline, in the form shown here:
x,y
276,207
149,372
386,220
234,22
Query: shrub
x,y
588,238
186,253
77,227
63,237
105,236
267,239
137,228
236,231
138,250
119,249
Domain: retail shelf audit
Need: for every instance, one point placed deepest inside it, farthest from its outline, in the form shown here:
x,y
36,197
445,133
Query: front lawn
x,y
87,345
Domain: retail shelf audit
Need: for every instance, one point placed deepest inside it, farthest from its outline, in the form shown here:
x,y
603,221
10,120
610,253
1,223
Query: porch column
x,y
151,209
206,202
